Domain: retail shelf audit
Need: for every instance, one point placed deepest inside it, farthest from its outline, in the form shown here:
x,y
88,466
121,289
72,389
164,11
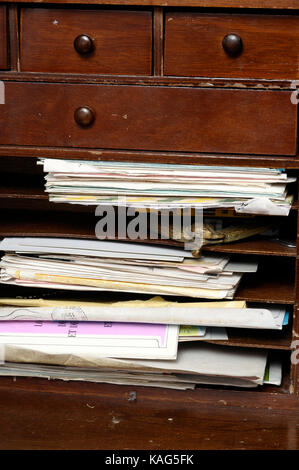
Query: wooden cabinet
x,y
117,42
231,45
192,82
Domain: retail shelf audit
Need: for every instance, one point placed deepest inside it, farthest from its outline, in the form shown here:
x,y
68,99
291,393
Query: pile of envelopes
x,y
115,266
157,186
207,364
147,341
63,320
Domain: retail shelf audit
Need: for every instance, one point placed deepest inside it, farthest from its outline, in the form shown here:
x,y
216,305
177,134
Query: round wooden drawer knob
x,y
84,116
83,44
232,44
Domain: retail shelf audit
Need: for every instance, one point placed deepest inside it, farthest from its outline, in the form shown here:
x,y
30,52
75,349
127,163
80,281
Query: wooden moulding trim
x,y
157,80
270,4
150,156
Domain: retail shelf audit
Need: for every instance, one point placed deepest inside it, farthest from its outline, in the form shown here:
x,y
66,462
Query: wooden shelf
x,y
39,224
254,246
261,420
262,339
56,224
29,193
189,158
270,289
60,224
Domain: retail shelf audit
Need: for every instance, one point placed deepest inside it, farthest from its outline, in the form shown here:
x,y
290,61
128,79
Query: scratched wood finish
x,y
254,246
193,45
148,80
277,340
270,289
190,158
131,431
150,118
3,38
38,414
13,223
122,41
270,4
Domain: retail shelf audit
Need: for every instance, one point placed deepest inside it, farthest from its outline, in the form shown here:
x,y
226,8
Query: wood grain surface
x,y
122,41
234,111
150,118
271,4
38,414
187,158
193,45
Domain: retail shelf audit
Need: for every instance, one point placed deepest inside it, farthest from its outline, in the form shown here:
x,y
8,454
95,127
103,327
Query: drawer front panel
x,y
3,38
149,118
233,46
84,41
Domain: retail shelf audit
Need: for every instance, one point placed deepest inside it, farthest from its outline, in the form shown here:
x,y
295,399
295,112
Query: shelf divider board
x,y
274,291
269,4
135,156
158,41
56,224
255,246
263,339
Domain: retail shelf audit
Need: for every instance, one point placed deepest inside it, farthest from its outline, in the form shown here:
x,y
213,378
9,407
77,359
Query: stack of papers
x,y
196,316
158,186
105,339
273,376
154,342
112,266
75,347
98,339
195,364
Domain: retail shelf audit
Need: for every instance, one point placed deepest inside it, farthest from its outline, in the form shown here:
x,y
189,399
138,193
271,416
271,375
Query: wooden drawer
x,y
3,38
149,118
241,46
107,41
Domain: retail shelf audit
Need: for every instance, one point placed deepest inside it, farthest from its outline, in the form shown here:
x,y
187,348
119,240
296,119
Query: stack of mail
x,y
193,317
159,186
137,342
96,265
195,364
131,351
151,342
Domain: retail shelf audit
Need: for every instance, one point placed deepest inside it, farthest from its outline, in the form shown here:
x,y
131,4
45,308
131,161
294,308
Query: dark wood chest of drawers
x,y
193,82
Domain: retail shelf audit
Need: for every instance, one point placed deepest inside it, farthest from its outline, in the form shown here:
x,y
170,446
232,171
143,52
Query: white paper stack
x,y
95,339
112,266
153,342
159,186
195,364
